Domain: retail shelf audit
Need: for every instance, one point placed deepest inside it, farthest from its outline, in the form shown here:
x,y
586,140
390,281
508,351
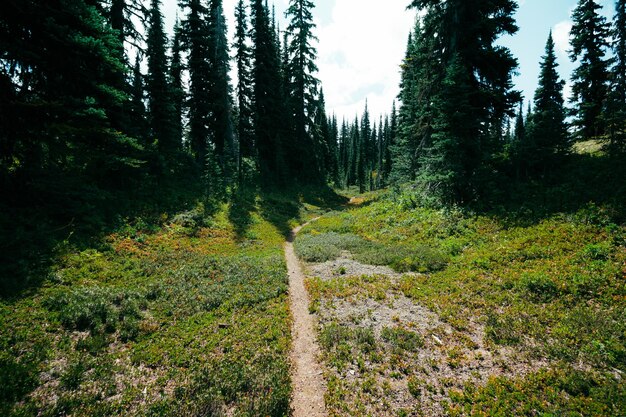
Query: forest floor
x,y
417,312
187,315
425,312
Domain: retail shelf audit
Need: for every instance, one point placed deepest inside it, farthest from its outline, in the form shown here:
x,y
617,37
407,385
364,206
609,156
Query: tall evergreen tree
x,y
447,165
616,100
268,110
177,86
60,95
548,135
139,128
460,36
303,85
244,89
160,105
195,40
220,119
121,14
589,41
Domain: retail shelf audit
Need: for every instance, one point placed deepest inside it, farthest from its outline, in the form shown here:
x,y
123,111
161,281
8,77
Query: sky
x,y
362,43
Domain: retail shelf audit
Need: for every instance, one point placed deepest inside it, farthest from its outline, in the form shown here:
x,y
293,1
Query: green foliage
x,y
402,339
329,246
99,310
548,286
589,41
542,392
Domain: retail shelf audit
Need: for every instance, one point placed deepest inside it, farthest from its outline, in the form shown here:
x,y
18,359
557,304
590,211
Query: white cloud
x,y
360,52
560,33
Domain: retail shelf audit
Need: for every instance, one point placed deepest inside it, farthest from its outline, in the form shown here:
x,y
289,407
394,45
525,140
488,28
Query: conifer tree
x,y
61,95
446,166
459,36
220,118
195,40
344,149
243,57
616,101
303,84
589,41
121,14
177,86
548,135
137,108
519,133
268,111
354,158
160,105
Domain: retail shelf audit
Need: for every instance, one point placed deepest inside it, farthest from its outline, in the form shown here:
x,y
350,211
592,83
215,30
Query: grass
x,y
187,316
552,288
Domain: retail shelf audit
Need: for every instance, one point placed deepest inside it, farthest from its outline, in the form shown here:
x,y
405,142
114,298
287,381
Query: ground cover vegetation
x,y
523,315
183,316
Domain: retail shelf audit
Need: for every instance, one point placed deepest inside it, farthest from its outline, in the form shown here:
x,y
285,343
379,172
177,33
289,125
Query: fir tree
x,y
220,119
268,110
446,166
616,100
243,57
458,36
195,40
589,41
303,85
519,133
160,105
177,86
548,136
137,106
61,95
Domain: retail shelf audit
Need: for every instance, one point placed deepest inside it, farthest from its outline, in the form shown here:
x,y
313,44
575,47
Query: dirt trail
x,y
307,379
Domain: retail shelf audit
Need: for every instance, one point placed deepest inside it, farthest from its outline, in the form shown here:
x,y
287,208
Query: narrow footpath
x,y
307,379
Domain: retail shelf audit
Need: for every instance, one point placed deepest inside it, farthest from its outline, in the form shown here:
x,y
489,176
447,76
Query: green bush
x,y
99,310
328,246
402,339
540,286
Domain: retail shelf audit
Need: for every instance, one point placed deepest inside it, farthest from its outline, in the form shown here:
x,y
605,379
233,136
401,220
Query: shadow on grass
x,y
590,187
282,207
240,211
40,218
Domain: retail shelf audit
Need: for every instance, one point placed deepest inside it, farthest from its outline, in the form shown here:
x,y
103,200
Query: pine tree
x,y
519,133
220,119
243,57
177,86
589,41
363,148
446,166
121,14
137,108
61,94
458,36
303,85
390,142
160,105
268,111
344,151
548,136
616,100
354,156
195,40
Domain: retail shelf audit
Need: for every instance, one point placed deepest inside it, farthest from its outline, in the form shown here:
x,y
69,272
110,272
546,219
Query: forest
x,y
464,253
